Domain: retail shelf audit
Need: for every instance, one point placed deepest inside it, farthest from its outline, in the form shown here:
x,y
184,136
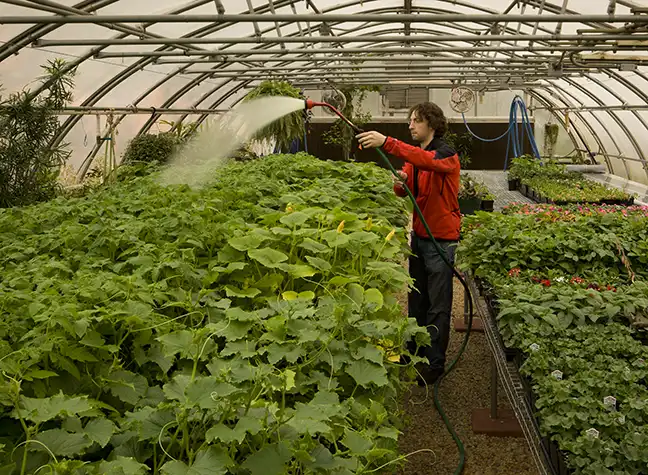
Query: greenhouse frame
x,y
194,284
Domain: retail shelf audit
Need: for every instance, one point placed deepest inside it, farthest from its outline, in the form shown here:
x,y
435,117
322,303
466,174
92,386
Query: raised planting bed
x,y
550,182
569,289
247,327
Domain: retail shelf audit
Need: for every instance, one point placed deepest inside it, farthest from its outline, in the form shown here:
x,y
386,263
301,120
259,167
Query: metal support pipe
x,y
277,28
513,69
90,110
481,85
407,26
595,135
581,39
427,49
134,68
257,31
538,96
25,4
620,107
535,28
325,17
372,59
23,39
623,157
563,9
384,75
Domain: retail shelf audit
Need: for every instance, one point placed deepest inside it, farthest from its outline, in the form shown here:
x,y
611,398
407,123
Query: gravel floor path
x,y
466,388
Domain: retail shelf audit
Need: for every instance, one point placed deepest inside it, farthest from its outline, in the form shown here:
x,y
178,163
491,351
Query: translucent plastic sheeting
x,y
119,75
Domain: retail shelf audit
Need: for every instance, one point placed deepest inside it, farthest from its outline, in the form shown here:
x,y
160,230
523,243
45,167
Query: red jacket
x,y
436,188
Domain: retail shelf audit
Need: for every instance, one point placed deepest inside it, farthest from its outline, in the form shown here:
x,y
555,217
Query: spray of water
x,y
195,163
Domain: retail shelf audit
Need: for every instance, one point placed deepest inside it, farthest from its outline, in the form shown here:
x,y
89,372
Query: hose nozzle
x,y
309,104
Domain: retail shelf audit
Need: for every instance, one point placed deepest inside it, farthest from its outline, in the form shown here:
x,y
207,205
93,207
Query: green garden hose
x,y
437,403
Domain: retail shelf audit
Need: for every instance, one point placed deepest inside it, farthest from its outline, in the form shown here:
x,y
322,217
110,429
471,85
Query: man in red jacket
x,y
431,172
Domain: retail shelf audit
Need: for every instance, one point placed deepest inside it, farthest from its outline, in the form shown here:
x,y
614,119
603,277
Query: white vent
x,y
402,98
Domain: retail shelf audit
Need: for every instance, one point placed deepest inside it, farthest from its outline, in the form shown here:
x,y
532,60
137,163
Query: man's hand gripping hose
x,y
462,453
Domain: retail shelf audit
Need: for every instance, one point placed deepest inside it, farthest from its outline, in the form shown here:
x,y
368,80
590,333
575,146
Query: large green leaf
x,y
294,219
127,386
366,373
318,263
270,460
209,461
41,410
122,466
100,430
232,291
61,442
314,246
267,256
246,243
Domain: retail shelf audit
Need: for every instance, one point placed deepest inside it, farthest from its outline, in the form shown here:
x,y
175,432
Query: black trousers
x,y
430,302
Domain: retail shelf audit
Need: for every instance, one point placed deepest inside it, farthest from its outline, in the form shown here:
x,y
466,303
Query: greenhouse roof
x,y
584,62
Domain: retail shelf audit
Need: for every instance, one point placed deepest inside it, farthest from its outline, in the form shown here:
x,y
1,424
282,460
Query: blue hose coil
x,y
515,131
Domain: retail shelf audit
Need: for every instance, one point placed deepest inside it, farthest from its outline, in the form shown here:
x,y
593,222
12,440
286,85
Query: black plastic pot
x,y
513,184
487,205
524,189
469,205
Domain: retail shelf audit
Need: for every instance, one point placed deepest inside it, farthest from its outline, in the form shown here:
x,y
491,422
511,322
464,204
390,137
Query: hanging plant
x,y
550,139
287,128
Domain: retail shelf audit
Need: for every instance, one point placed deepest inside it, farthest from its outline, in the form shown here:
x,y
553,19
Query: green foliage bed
x,y
571,293
247,328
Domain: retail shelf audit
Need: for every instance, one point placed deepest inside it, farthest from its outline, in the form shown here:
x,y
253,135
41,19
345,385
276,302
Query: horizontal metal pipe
x,y
430,84
451,59
620,107
334,69
377,69
620,157
334,39
90,110
367,50
328,17
369,74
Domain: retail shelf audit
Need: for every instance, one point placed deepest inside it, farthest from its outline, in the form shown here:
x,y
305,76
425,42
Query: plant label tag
x,y
610,402
557,374
534,347
593,433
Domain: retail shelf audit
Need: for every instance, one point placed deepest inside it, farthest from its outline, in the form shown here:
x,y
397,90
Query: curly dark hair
x,y
434,116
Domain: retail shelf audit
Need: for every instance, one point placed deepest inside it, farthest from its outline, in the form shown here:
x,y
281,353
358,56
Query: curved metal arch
x,y
637,90
549,104
614,116
126,73
353,3
562,91
114,84
152,119
27,36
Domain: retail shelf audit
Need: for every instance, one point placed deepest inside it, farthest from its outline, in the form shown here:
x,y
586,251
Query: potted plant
x,y
469,198
488,202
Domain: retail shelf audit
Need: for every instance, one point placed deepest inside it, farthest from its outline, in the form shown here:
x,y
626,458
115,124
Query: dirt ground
x,y
466,388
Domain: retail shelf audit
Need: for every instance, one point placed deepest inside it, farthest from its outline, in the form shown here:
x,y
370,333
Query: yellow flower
x,y
340,227
369,224
390,235
289,208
